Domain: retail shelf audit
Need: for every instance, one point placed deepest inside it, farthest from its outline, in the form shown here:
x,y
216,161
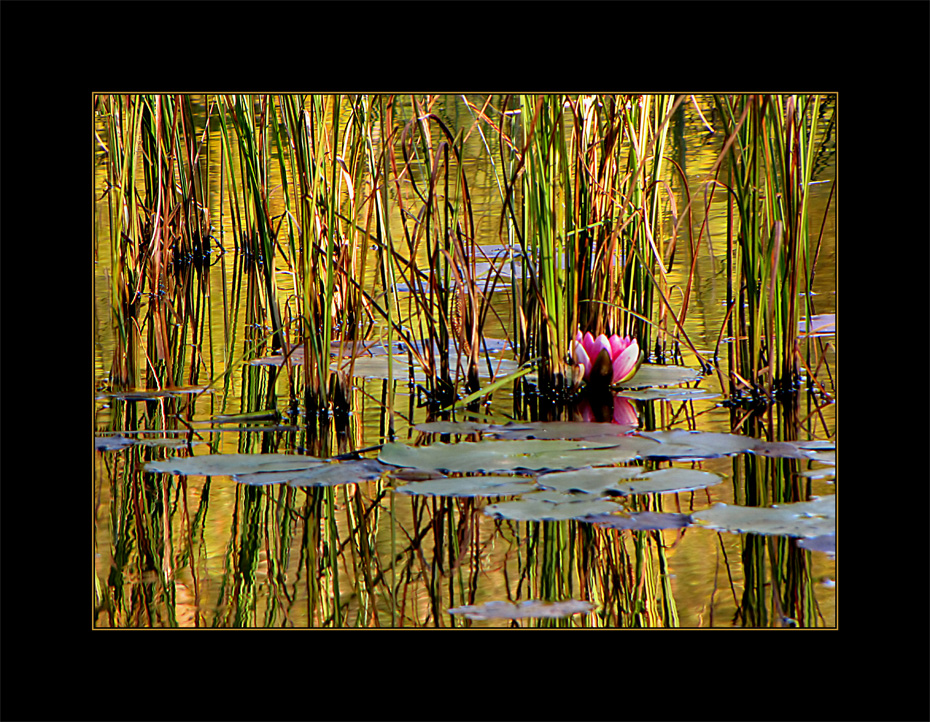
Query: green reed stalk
x,y
770,147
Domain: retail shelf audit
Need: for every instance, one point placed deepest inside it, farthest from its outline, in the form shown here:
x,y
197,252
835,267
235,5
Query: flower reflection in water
x,y
606,408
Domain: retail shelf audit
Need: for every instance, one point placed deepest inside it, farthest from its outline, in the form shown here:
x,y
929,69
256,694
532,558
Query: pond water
x,y
216,503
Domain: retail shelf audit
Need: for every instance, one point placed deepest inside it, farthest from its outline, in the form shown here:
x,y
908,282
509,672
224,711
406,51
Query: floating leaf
x,y
640,520
824,457
112,443
530,608
589,430
505,455
149,394
685,394
816,517
232,464
330,473
588,481
658,375
452,427
684,444
486,485
823,324
825,543
628,480
667,481
549,506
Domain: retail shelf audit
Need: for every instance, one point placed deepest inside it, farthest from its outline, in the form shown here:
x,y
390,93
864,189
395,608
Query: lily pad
x,y
685,394
588,480
533,454
232,464
149,394
641,520
658,375
112,443
825,543
330,473
580,430
530,608
668,481
813,518
453,427
823,324
487,485
623,481
684,444
549,506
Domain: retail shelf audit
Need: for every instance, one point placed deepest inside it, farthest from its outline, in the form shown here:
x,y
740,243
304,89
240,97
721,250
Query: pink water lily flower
x,y
620,361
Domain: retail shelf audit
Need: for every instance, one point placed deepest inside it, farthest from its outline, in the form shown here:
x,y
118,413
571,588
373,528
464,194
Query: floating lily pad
x,y
641,520
580,430
669,394
778,449
668,481
823,457
112,443
331,473
232,464
658,375
624,481
549,506
529,608
589,480
149,394
823,324
825,543
531,454
816,517
487,485
684,444
453,427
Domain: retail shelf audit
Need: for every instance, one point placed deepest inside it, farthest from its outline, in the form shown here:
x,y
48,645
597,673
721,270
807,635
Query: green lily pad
x,y
530,608
549,506
825,543
684,444
149,394
487,485
813,518
623,481
658,375
588,480
668,481
641,520
533,454
453,427
330,473
823,324
589,430
232,464
685,394
112,443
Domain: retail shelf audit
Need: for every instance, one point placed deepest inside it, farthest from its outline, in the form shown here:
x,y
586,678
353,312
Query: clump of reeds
x,y
770,150
583,203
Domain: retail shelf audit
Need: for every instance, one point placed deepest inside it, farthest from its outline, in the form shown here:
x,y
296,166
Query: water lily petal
x,y
624,366
618,345
581,357
601,342
589,345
